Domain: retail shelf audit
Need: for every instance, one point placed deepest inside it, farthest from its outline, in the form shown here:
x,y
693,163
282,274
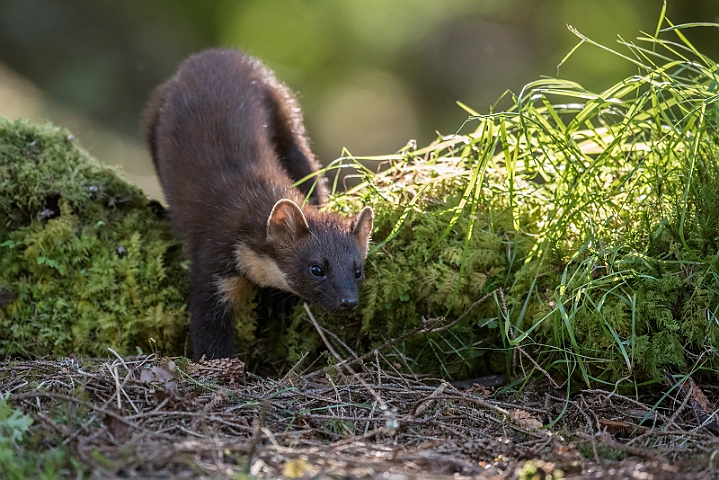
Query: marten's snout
x,y
348,304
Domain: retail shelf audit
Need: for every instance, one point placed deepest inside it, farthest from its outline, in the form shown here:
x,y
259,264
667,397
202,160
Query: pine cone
x,y
218,368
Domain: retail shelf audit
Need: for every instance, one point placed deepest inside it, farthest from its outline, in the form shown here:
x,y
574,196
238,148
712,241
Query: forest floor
x,y
149,417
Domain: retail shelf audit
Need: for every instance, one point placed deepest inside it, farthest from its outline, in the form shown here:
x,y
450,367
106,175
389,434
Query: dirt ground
x,y
149,417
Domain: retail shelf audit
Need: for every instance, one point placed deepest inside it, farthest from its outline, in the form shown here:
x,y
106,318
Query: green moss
x,y
85,264
414,277
598,220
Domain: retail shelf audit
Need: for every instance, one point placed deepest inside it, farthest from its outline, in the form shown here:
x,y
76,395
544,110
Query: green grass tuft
x,y
597,214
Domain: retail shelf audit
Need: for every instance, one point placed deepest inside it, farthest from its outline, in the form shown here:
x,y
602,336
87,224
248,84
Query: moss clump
x,y
598,217
434,255
85,264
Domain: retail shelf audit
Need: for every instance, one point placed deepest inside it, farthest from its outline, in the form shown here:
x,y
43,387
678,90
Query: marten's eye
x,y
317,271
358,273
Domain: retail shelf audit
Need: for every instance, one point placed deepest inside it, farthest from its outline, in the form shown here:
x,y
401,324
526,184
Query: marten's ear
x,y
287,223
363,229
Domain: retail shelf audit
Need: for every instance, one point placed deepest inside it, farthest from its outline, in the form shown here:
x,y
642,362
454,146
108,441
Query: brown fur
x,y
228,142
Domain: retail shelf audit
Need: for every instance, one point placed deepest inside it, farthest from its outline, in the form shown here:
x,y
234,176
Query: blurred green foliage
x,y
371,74
23,453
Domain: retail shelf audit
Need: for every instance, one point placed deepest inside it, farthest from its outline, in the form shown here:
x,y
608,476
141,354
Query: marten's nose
x,y
348,304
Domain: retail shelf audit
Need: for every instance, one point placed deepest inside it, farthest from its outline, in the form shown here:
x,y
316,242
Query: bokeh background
x,y
370,74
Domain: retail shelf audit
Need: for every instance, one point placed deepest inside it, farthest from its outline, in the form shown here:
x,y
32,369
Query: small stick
x,y
536,365
469,310
258,424
288,374
119,358
371,390
346,347
322,334
428,327
116,376
68,398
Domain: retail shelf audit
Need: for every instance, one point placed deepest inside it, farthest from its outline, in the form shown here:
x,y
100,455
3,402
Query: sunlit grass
x,y
609,220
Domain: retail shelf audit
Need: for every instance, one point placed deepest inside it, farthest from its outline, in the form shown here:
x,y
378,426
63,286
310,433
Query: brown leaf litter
x,y
150,417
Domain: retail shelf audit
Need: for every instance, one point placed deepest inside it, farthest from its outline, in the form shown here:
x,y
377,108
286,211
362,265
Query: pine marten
x,y
228,143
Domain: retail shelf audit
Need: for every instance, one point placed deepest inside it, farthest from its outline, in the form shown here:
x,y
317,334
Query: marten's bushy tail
x,y
150,119
290,139
288,135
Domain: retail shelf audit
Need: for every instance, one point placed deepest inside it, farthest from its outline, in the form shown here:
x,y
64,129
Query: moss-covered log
x,y
85,262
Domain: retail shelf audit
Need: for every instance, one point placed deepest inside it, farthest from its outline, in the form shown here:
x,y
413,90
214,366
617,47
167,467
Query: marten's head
x,y
319,257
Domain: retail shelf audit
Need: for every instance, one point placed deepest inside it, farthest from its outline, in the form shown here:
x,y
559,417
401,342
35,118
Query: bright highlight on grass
x,y
596,214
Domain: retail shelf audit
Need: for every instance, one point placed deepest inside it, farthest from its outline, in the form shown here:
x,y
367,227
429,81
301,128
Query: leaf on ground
x,y
156,373
297,468
525,419
115,426
699,397
622,429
